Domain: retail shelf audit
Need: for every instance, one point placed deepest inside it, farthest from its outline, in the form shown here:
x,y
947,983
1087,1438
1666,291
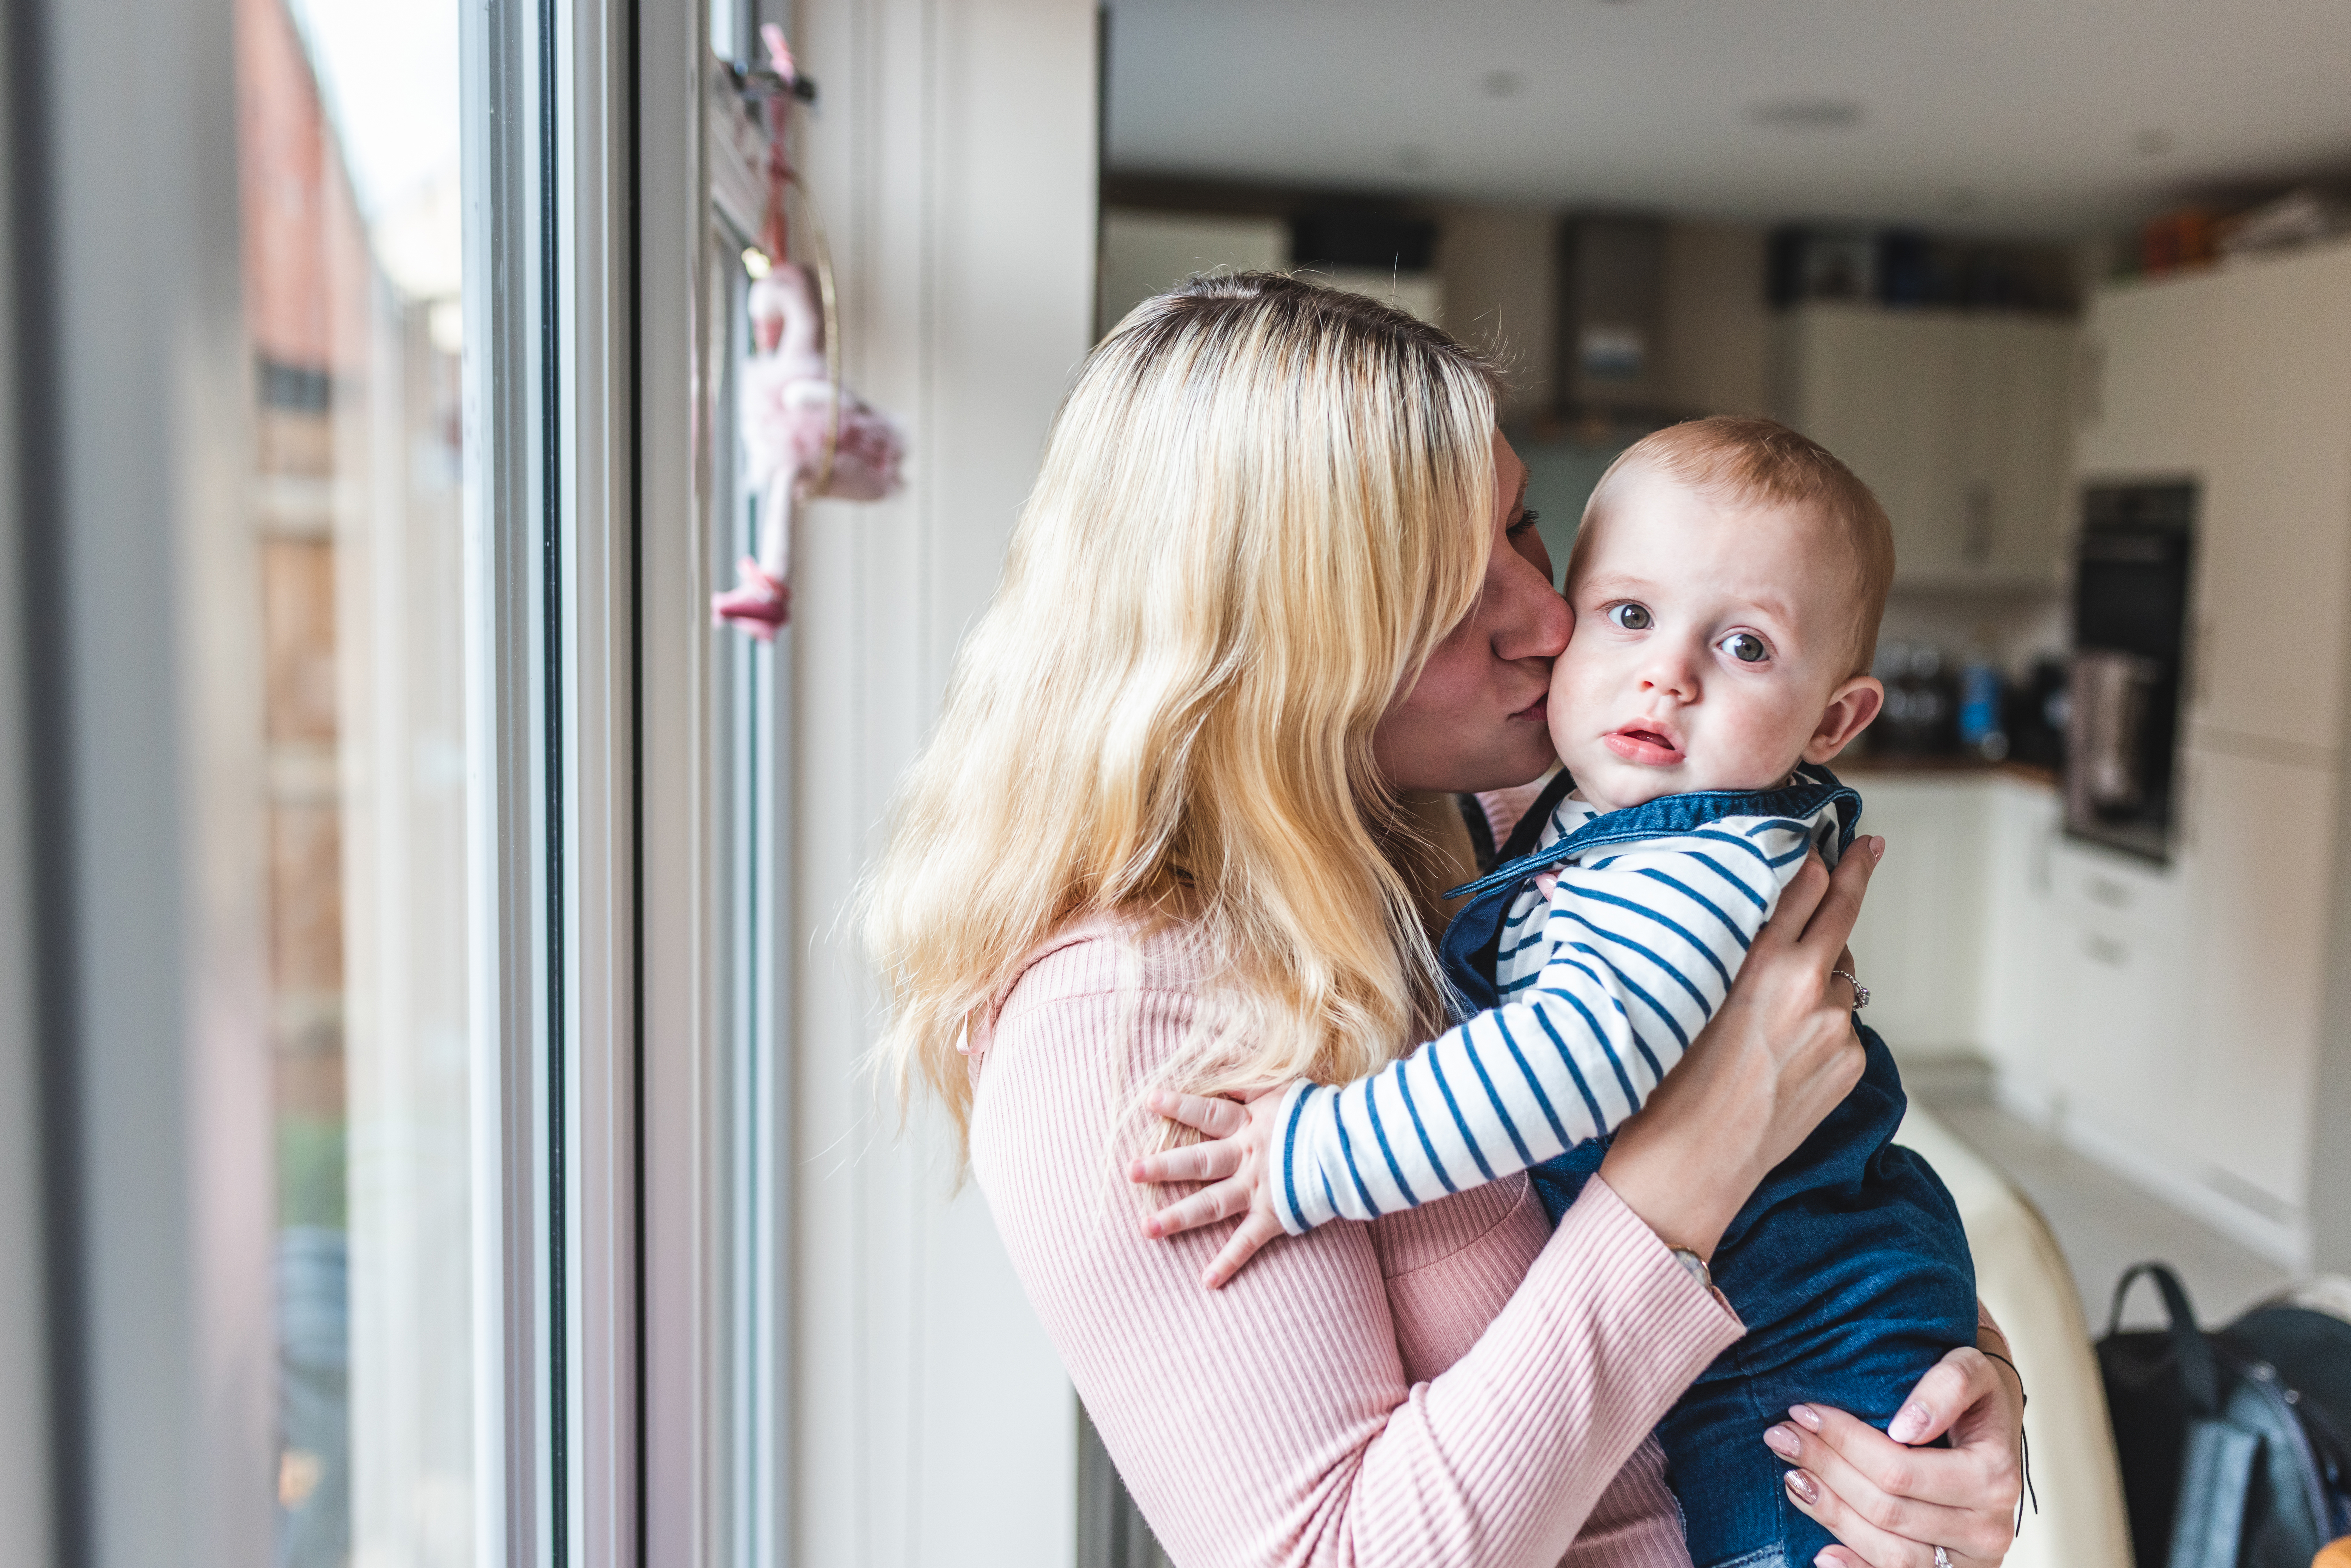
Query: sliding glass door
x,y
348,135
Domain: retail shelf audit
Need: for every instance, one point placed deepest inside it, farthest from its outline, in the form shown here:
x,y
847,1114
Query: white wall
x,y
954,154
23,1387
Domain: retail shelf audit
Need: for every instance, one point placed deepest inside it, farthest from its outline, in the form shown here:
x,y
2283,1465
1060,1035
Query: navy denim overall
x,y
1848,1265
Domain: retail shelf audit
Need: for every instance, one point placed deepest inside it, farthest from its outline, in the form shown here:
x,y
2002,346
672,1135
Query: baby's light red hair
x,y
1762,463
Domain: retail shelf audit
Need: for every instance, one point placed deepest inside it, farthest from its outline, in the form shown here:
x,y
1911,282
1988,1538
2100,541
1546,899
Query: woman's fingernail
x,y
1909,1423
1826,1560
1151,1228
1802,1485
1805,1416
1877,847
1782,1441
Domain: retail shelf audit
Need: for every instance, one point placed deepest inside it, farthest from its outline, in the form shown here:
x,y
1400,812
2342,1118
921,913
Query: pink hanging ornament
x,y
803,434
800,438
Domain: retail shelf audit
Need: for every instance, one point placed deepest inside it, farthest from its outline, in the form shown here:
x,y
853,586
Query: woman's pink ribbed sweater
x,y
1455,1384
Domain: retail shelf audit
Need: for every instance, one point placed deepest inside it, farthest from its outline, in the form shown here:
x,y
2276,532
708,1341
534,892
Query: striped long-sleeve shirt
x,y
1618,938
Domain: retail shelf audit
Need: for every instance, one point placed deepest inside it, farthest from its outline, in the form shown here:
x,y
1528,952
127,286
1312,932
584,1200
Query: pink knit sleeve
x,y
1272,1422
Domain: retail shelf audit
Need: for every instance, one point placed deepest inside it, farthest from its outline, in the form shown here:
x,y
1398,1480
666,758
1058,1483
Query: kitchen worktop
x,y
1953,766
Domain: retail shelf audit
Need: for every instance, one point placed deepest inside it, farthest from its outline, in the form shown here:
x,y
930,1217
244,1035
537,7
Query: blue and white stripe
x,y
1607,973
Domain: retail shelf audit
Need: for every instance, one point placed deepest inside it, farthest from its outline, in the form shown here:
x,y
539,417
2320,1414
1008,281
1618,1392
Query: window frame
x,y
603,839
561,441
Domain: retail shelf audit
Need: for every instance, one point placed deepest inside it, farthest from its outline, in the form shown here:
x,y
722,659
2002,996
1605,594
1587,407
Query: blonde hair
x,y
1762,463
1261,507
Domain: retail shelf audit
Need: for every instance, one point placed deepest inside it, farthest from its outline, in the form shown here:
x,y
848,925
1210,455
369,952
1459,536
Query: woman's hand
x,y
1775,1060
1893,1505
1233,1158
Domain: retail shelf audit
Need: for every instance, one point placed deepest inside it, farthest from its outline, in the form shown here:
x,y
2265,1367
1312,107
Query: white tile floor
x,y
2105,1224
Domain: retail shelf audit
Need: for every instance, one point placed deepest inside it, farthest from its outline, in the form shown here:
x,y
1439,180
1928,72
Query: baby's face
x,y
1710,648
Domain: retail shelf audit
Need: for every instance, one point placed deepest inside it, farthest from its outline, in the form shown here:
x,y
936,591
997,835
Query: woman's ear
x,y
1848,713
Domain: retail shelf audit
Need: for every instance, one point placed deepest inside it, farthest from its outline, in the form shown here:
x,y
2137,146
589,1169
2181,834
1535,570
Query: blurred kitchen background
x,y
2071,288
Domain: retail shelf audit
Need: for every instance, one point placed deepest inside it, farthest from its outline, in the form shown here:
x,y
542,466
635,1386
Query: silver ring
x,y
1861,1001
1942,1557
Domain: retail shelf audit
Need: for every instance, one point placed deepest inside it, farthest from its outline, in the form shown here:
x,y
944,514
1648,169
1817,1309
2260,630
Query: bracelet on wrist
x,y
2022,1398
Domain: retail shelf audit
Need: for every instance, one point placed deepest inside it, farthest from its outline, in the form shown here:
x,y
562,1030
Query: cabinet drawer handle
x,y
2106,950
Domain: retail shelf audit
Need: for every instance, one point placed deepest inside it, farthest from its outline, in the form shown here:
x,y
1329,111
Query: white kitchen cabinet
x,y
1919,944
1881,391
2239,378
1962,424
2021,1036
2259,920
2123,985
2017,393
2165,1020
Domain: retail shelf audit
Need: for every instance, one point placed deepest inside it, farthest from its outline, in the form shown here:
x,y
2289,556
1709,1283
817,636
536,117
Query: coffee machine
x,y
2130,639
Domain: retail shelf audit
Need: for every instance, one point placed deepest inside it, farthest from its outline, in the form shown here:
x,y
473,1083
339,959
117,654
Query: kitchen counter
x,y
1953,766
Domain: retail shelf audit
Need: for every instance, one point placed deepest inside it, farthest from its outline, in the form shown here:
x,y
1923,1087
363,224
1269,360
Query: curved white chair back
x,y
2023,1279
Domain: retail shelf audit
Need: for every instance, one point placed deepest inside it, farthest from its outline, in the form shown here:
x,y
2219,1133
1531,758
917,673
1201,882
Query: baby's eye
x,y
1746,647
1631,617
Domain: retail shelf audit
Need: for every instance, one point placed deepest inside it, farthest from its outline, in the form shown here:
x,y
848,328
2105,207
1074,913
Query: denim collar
x,y
1813,787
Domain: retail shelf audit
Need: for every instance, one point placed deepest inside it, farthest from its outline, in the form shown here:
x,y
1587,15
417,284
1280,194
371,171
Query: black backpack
x,y
2231,1443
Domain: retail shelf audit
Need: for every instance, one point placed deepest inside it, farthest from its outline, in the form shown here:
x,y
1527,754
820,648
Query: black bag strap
x,y
2199,1377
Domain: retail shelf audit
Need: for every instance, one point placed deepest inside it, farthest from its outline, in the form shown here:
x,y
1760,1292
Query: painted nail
x,y
1782,1441
1909,1425
1802,1485
1805,1416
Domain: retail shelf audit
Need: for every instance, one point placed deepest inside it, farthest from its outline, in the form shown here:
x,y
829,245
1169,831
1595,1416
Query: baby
x,y
1728,582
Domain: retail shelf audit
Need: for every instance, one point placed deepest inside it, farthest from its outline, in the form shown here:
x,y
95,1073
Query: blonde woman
x,y
1276,581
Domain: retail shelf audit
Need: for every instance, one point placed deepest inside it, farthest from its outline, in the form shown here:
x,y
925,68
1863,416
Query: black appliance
x,y
2130,639
2037,711
1921,703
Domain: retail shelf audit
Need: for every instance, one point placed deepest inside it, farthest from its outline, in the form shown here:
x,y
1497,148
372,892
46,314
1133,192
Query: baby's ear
x,y
1850,709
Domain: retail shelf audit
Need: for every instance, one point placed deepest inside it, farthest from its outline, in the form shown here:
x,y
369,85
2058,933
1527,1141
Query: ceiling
x,y
2045,117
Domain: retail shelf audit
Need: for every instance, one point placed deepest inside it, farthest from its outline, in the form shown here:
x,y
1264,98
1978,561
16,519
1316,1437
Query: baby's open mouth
x,y
1637,743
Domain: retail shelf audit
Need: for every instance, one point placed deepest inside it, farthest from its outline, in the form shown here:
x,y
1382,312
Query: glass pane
x,y
749,680
349,143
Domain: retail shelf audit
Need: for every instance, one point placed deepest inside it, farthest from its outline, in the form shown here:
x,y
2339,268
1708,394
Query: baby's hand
x,y
1233,1158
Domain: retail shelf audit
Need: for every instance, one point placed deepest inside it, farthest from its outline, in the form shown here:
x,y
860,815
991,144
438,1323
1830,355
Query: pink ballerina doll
x,y
803,436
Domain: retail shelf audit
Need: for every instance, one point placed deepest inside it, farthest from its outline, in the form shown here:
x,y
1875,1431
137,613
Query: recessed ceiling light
x,y
1807,114
1501,84
2151,143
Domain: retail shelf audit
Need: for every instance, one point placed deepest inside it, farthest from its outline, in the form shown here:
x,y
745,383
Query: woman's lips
x,y
1645,747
